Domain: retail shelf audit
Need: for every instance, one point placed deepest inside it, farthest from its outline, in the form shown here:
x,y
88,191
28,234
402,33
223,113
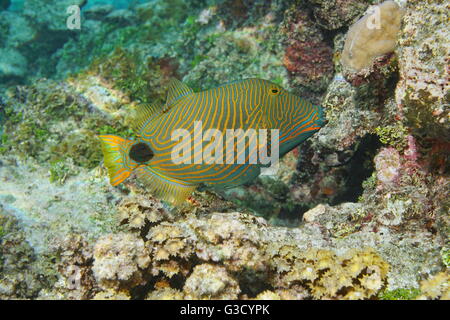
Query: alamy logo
x,y
74,20
236,146
374,20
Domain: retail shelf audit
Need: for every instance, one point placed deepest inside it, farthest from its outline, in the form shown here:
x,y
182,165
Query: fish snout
x,y
322,121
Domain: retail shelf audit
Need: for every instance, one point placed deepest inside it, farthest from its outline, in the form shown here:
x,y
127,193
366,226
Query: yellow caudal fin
x,y
115,152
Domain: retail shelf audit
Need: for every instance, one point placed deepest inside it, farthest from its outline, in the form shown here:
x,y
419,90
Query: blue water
x,y
17,5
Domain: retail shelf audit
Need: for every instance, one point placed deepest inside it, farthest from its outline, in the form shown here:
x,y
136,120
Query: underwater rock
x,y
51,14
20,276
348,121
18,30
237,13
387,164
336,14
308,57
237,55
120,17
309,60
51,122
72,258
98,12
423,90
12,64
51,211
250,256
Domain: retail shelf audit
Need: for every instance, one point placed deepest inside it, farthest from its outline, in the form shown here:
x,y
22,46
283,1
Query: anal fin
x,y
168,189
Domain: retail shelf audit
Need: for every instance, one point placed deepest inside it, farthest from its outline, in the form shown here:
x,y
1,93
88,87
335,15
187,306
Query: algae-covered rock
x,y
20,275
51,122
335,14
308,57
52,13
12,64
423,90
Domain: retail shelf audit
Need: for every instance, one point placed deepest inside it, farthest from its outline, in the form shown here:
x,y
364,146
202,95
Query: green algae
x,y
399,294
393,135
50,122
138,77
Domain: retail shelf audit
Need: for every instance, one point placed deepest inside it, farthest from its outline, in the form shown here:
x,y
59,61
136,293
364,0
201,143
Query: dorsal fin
x,y
177,89
143,113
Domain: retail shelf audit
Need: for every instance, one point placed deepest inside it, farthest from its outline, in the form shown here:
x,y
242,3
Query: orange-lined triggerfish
x,y
179,145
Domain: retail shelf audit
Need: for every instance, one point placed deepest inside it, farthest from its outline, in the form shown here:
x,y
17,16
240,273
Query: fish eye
x,y
274,91
141,152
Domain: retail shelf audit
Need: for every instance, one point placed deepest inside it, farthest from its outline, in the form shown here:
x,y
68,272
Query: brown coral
x,y
358,274
209,281
120,260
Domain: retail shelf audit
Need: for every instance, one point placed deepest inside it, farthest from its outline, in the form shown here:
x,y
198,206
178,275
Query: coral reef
x,y
359,211
50,122
18,265
119,260
210,282
308,57
336,14
422,93
436,287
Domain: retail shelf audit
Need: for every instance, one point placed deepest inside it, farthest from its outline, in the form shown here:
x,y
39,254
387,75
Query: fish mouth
x,y
322,120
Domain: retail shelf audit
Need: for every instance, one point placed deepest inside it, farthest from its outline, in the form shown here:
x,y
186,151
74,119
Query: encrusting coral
x,y
208,281
308,57
423,91
359,274
119,260
437,287
335,14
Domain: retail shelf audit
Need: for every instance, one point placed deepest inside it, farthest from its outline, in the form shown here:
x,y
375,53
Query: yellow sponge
x,y
373,35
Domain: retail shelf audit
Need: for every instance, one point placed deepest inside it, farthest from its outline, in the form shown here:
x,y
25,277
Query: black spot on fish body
x,y
141,152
